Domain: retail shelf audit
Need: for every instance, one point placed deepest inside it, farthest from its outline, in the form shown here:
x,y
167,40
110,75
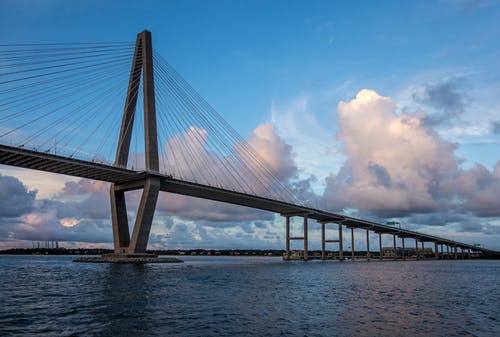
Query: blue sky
x,y
290,63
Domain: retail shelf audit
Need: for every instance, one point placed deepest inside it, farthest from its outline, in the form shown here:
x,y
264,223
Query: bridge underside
x,y
126,180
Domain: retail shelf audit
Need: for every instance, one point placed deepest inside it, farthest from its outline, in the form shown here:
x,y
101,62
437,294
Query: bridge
x,y
50,90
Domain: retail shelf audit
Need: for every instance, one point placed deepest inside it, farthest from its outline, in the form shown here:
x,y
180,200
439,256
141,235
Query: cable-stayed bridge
x,y
118,112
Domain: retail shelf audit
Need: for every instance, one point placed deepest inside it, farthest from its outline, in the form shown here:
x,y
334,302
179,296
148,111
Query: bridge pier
x,y
416,248
380,245
306,239
352,243
403,245
395,246
144,218
324,241
436,252
368,244
288,238
341,243
121,235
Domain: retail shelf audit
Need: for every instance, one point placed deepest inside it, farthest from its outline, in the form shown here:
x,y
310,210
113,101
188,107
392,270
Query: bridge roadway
x,y
129,180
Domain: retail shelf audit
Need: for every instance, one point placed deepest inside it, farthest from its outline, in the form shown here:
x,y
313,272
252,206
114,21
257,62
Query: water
x,y
238,296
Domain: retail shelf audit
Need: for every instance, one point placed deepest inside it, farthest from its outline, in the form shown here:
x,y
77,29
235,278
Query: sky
x,y
385,110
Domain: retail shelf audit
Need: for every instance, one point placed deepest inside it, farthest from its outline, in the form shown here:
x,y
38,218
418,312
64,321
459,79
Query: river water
x,y
240,296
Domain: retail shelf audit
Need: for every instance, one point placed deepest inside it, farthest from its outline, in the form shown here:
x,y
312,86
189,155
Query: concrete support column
x,y
287,237
447,251
394,245
416,248
306,241
341,244
455,251
352,243
423,249
468,253
323,242
436,253
119,220
403,246
368,244
144,218
380,245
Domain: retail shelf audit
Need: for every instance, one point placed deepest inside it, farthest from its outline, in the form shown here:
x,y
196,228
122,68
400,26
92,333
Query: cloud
x,y
394,162
258,166
79,212
15,199
495,127
274,151
397,165
479,190
315,153
190,208
250,175
47,184
447,98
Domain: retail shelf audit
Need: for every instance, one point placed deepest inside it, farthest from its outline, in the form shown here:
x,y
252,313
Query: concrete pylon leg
x,y
380,245
455,252
306,241
145,214
323,242
416,248
121,235
341,244
423,250
403,248
287,237
368,244
436,253
394,245
352,243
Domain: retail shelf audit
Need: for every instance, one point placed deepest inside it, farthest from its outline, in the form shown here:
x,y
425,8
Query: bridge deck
x,y
53,163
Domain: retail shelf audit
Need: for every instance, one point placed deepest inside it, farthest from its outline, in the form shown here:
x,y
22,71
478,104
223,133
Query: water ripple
x,y
220,296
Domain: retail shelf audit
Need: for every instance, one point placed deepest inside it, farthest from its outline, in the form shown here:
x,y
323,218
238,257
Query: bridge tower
x,y
142,66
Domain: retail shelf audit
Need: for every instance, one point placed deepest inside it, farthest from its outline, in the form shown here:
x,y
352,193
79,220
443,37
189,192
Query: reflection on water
x,y
228,296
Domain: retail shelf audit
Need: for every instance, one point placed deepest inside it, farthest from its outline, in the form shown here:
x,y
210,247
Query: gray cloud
x,y
190,208
495,127
447,98
382,176
479,190
15,199
491,229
